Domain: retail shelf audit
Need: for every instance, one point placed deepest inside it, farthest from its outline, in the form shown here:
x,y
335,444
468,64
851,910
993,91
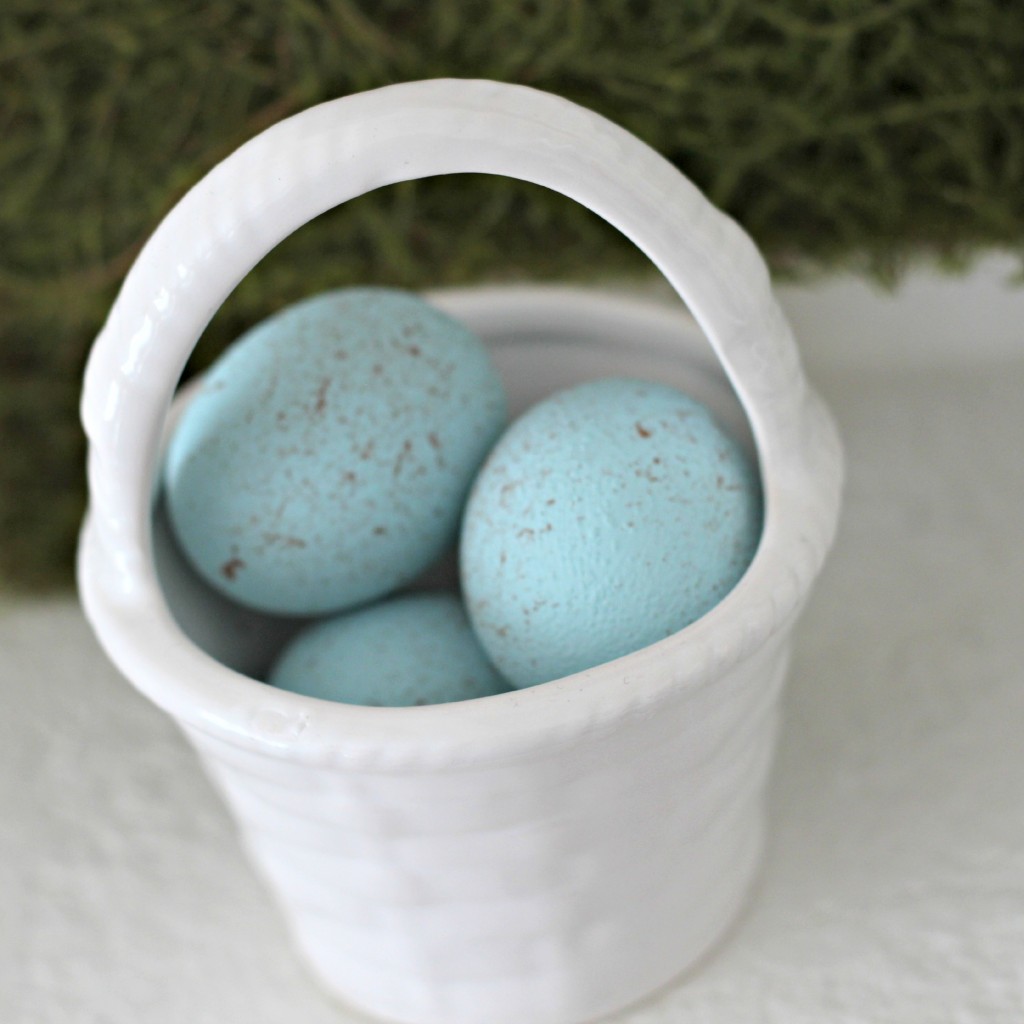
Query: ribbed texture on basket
x,y
536,857
426,896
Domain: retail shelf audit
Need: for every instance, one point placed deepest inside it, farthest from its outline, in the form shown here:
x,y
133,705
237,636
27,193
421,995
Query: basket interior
x,y
542,340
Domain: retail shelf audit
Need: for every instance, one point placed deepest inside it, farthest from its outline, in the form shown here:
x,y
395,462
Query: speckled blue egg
x,y
608,517
325,458
415,649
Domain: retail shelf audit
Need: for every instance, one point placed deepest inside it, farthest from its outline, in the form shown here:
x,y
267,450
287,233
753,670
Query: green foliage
x,y
840,133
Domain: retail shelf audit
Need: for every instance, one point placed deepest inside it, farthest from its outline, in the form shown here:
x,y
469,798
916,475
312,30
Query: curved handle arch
x,y
315,160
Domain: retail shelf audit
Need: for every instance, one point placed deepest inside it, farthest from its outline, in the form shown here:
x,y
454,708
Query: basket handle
x,y
328,154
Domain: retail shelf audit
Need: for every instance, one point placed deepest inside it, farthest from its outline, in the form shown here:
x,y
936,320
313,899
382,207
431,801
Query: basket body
x,y
559,887
540,857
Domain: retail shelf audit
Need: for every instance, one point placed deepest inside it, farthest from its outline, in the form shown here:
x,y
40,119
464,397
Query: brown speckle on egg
x,y
320,402
231,568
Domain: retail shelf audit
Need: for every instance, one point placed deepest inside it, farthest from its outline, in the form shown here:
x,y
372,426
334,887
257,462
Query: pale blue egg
x,y
415,649
325,458
608,517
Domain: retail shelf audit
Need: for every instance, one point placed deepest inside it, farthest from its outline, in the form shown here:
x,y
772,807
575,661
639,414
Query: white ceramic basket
x,y
539,857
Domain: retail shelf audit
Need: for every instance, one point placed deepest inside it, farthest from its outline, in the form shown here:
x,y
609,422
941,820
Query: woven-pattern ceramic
x,y
538,857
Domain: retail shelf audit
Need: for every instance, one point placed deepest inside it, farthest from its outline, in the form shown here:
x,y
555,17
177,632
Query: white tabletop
x,y
893,888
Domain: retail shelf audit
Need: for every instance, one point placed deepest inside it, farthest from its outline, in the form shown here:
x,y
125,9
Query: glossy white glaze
x,y
547,855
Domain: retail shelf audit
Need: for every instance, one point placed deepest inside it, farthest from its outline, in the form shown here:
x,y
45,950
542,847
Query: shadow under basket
x,y
545,856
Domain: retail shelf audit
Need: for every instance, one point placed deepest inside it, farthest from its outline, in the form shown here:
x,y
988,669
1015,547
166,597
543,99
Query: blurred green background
x,y
843,135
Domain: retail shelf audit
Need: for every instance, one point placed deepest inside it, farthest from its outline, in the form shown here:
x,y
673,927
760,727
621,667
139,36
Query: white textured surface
x,y
894,884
